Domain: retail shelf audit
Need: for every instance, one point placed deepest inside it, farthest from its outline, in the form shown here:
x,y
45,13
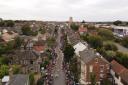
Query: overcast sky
x,y
89,10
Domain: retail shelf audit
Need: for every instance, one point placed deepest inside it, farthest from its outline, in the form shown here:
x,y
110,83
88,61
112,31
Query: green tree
x,y
110,55
73,65
110,46
4,69
118,22
4,60
125,41
51,41
26,30
9,23
95,41
10,46
2,49
106,34
16,69
68,52
74,26
31,79
2,23
91,28
18,42
93,79
42,30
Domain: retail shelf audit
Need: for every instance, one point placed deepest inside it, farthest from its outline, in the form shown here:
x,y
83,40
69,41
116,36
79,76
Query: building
x,y
70,20
73,37
27,59
93,63
82,30
39,47
8,36
120,31
119,73
80,47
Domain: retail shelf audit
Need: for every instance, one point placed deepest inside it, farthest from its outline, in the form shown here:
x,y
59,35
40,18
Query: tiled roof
x,y
82,29
120,70
39,48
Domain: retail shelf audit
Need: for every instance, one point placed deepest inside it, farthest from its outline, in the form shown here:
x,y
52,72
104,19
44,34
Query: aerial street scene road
x,y
63,42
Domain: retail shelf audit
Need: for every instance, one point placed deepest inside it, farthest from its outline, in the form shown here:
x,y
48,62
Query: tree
x,y
9,23
2,23
18,42
73,65
95,41
122,58
31,79
26,30
106,34
42,31
110,46
125,41
83,22
68,52
91,28
110,55
4,69
2,49
74,27
50,41
93,79
118,22
16,69
4,60
10,46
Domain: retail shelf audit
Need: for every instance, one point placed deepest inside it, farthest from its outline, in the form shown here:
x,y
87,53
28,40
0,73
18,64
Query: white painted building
x,y
120,31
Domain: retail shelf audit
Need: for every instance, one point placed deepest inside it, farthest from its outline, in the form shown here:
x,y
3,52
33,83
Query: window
x,y
96,59
101,68
101,75
90,68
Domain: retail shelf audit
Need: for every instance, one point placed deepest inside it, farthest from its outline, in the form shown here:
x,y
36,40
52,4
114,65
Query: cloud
x,y
91,10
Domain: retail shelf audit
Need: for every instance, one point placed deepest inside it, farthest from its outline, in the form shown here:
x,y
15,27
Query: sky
x,y
61,10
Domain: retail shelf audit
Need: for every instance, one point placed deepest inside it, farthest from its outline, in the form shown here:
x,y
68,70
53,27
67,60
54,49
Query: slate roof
x,y
74,37
87,55
19,79
20,55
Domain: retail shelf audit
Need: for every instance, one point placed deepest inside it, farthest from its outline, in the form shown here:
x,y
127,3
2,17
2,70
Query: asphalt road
x,y
59,75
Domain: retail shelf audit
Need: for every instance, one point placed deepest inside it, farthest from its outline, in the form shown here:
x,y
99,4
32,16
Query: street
x,y
59,75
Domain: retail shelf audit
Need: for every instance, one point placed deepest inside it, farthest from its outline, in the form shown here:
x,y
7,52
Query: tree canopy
x,y
95,41
125,41
110,46
74,27
106,34
68,52
4,69
118,22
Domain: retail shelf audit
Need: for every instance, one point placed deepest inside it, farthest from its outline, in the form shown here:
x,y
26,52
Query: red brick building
x,y
93,63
